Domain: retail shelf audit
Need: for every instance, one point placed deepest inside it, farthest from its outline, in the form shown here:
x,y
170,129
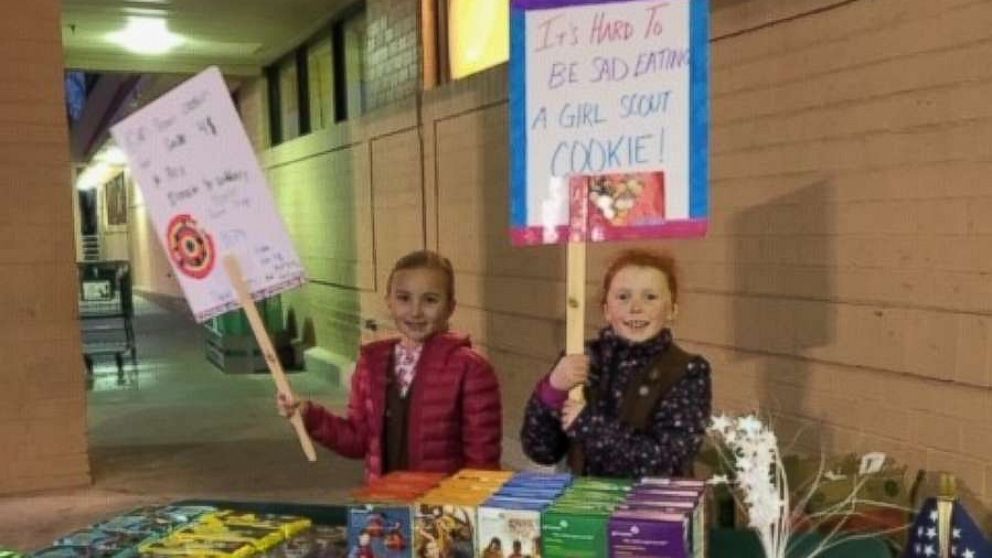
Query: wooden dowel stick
x,y
575,310
575,282
233,269
945,511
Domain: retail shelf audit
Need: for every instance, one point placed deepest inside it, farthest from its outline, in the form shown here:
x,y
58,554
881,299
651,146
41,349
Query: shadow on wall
x,y
783,284
300,339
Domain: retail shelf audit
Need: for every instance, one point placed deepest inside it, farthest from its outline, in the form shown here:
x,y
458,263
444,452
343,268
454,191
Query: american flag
x,y
967,540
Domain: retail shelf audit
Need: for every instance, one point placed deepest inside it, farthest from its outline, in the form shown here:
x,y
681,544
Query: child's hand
x,y
570,412
571,370
287,405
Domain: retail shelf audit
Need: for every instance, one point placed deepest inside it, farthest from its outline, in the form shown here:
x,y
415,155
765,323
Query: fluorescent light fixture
x,y
111,155
108,162
94,176
146,35
148,12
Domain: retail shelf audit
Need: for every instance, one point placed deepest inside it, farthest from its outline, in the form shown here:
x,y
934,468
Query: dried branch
x,y
749,448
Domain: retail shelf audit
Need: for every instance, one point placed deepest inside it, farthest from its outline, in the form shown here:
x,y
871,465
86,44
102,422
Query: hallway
x,y
183,429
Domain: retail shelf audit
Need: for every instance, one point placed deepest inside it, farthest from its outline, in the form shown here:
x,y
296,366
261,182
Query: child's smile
x,y
419,305
418,327
639,303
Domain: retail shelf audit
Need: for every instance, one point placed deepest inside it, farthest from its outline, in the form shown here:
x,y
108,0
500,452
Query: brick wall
x,y
844,287
846,284
42,400
392,51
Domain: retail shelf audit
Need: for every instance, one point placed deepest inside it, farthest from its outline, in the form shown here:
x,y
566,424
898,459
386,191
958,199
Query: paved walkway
x,y
183,429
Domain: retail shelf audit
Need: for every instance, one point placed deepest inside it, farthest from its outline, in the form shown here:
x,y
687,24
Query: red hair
x,y
662,261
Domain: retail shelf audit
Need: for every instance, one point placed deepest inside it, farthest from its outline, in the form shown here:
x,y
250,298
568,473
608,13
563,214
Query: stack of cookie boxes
x,y
202,531
652,518
121,534
381,519
510,520
229,534
660,518
576,524
488,514
446,518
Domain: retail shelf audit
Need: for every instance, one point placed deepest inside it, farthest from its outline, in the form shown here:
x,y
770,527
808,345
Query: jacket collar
x,y
439,345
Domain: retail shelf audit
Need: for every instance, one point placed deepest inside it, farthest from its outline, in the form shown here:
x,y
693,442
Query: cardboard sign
x,y
616,92
207,196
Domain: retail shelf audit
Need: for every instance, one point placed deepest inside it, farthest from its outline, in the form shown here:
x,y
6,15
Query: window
x,y
322,81
351,35
285,118
473,35
289,100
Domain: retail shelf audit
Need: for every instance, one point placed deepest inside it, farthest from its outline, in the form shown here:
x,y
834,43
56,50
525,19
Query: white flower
x,y
756,461
730,436
750,424
720,423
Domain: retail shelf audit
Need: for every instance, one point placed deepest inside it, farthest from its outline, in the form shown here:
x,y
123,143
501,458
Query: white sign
x,y
616,89
207,196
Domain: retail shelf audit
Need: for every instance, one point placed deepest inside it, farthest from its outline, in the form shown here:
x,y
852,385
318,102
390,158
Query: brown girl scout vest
x,y
645,390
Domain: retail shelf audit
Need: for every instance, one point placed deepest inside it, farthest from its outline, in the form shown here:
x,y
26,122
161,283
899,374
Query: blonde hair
x,y
425,259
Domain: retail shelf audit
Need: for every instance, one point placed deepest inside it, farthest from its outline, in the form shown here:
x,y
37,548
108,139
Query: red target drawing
x,y
190,247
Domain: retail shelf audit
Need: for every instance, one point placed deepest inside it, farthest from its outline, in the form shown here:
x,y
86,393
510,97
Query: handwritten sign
x,y
617,92
207,195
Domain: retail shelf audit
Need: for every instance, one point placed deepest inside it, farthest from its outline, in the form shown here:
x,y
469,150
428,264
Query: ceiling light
x,y
111,155
93,176
146,35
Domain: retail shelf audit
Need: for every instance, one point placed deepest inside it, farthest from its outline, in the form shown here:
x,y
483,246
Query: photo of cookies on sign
x,y
628,199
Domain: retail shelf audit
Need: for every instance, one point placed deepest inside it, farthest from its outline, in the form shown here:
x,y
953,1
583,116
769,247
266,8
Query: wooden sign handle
x,y
575,305
233,269
945,511
575,282
575,309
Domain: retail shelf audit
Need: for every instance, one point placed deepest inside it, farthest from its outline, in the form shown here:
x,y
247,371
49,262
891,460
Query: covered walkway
x,y
183,429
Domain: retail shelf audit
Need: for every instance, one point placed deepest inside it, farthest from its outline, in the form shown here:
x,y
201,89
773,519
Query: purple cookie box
x,y
644,534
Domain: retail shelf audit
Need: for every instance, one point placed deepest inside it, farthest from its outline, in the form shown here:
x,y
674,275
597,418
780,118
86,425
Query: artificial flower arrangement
x,y
756,473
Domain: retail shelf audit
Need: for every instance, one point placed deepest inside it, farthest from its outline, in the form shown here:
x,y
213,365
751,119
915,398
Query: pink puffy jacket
x,y
455,415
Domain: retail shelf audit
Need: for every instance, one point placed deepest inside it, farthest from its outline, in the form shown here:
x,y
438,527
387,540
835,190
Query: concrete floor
x,y
184,429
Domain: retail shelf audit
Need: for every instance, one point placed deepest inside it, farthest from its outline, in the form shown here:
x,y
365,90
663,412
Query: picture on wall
x,y
116,200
